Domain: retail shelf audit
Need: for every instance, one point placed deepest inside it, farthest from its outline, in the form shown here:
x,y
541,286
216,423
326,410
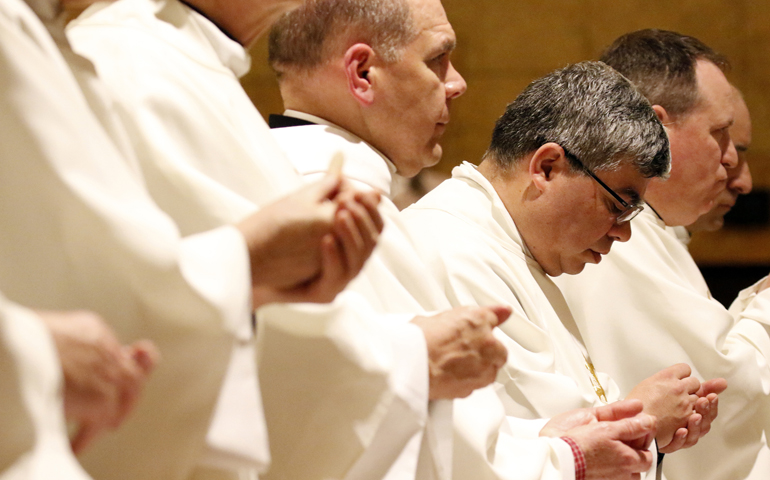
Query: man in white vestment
x,y
57,364
738,176
647,305
535,207
80,231
384,108
208,159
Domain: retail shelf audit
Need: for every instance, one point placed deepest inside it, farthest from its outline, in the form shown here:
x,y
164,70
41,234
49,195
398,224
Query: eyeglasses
x,y
628,212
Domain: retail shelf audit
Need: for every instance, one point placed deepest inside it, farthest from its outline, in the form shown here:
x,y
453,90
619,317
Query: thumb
x,y
636,428
83,437
619,410
327,187
502,312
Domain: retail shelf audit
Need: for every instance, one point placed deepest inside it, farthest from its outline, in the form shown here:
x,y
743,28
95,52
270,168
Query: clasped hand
x,y
683,405
307,246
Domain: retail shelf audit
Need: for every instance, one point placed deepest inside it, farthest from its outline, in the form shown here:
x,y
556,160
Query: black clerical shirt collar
x,y
283,121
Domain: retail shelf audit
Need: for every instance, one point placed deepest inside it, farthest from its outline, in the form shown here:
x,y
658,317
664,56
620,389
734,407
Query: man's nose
x,y
455,83
621,233
739,178
730,156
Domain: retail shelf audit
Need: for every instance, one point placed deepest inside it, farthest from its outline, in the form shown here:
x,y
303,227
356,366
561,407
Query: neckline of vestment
x,y
176,25
363,162
510,236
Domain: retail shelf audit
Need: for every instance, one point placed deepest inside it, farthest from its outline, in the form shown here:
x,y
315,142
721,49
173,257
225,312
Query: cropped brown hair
x,y
662,64
303,38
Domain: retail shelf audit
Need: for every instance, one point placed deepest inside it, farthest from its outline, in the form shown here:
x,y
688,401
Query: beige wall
x,y
504,45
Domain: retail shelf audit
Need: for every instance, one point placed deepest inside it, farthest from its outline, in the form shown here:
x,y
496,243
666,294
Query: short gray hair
x,y
590,110
302,39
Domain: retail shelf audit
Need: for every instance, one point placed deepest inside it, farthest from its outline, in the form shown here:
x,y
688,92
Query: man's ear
x,y
547,162
662,114
358,61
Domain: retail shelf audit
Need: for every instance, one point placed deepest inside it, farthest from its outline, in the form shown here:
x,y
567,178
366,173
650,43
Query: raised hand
x,y
463,354
307,246
669,395
699,424
102,379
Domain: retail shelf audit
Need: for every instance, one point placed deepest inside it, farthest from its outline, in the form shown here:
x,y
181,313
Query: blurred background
x,y
504,45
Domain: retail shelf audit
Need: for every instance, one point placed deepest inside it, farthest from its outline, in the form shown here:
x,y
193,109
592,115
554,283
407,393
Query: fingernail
x,y
646,421
697,422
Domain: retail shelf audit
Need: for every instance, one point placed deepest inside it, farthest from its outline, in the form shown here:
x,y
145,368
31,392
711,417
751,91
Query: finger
x,y
146,355
127,389
714,400
715,385
702,406
348,233
85,434
630,429
355,247
681,370
333,273
643,463
619,410
129,397
695,430
336,164
692,385
365,224
371,200
676,443
326,188
502,312
494,353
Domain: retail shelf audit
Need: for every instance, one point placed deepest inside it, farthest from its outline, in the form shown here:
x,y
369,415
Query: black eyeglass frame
x,y
629,212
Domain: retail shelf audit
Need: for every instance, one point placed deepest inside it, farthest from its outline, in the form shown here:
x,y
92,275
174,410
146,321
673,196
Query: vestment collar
x,y
230,53
363,162
469,173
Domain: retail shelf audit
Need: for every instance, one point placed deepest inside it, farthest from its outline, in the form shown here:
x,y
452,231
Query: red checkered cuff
x,y
580,458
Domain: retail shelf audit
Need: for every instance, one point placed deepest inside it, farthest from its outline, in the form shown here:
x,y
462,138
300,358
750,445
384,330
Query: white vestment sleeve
x,y
359,380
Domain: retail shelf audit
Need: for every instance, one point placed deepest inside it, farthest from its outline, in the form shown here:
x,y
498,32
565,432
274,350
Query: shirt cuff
x,y
580,458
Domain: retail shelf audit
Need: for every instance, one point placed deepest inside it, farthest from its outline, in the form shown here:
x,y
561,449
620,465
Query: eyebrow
x,y
633,195
448,45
